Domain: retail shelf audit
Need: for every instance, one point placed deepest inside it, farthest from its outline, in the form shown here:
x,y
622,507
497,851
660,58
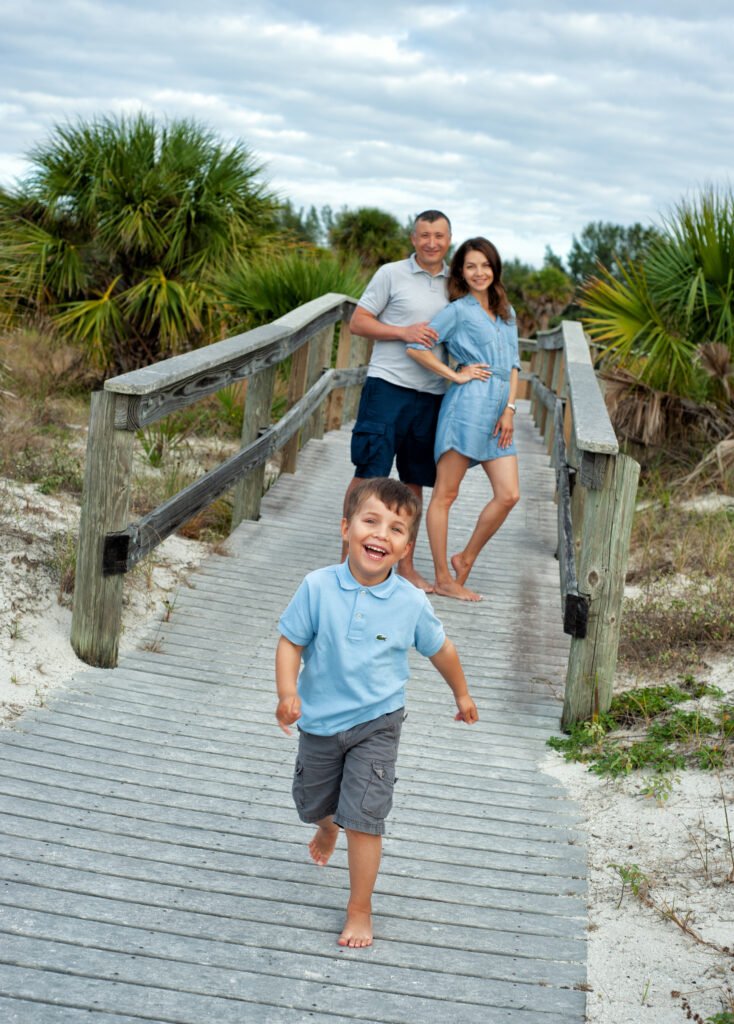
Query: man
x,y
400,399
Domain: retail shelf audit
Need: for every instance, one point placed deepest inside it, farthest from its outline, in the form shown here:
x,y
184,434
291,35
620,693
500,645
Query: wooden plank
x,y
97,612
147,812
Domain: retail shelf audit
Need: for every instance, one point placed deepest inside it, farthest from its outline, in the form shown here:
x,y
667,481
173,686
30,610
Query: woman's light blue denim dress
x,y
469,412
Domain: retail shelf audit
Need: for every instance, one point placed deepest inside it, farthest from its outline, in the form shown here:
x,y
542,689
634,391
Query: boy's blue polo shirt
x,y
355,643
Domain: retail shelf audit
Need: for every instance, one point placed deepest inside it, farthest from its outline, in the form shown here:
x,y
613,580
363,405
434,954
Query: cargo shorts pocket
x,y
378,796
298,788
370,441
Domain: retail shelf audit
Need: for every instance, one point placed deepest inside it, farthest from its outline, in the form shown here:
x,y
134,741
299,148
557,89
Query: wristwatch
x,y
511,405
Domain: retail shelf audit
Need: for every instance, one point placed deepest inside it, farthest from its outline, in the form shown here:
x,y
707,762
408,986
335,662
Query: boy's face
x,y
377,538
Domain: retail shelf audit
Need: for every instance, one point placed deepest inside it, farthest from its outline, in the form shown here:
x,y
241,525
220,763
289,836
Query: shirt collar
x,y
348,582
417,269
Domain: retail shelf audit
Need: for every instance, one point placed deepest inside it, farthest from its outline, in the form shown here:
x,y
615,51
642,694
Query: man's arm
x,y
287,664
366,325
447,662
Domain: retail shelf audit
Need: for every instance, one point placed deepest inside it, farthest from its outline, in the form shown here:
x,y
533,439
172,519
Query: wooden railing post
x,y
359,355
95,623
607,524
319,360
296,391
258,402
335,401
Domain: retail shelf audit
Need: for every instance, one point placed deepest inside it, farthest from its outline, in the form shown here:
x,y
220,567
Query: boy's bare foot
x,y
451,588
413,576
461,567
357,929
322,845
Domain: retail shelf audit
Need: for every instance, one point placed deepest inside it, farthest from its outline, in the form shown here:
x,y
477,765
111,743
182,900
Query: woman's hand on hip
x,y
505,428
473,371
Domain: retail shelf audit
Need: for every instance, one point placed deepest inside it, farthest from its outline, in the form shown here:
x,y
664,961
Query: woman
x,y
475,424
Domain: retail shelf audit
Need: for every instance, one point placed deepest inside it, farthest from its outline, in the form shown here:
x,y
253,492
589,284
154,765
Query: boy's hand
x,y
288,712
467,710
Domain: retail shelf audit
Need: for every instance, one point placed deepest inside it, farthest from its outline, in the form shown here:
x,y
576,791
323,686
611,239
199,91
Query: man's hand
x,y
420,334
288,712
467,710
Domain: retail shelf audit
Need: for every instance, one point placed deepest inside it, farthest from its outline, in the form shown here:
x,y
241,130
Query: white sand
x,y
637,959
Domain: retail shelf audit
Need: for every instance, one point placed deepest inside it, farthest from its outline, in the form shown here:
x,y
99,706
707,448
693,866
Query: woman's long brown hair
x,y
498,302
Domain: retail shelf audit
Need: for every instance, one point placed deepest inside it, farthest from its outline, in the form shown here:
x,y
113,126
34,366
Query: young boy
x,y
354,623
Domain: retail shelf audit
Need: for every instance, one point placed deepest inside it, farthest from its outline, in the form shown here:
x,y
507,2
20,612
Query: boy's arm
x,y
287,664
447,662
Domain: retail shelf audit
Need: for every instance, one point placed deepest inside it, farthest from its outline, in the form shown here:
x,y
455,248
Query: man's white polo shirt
x,y
402,294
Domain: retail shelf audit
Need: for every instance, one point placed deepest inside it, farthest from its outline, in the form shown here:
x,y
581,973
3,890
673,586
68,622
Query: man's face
x,y
431,239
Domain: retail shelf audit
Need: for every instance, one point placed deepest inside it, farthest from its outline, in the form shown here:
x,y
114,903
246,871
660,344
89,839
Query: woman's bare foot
x,y
450,588
322,845
357,929
461,567
414,577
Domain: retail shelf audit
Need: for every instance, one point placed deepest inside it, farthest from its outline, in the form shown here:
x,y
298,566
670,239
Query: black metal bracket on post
x,y
575,615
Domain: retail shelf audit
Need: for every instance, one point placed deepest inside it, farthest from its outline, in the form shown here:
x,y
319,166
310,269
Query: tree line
x,y
137,240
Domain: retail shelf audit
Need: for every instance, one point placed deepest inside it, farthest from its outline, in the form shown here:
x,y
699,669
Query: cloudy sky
x,y
523,122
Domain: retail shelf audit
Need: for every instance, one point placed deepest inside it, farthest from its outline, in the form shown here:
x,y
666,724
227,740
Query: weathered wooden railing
x,y
596,488
109,546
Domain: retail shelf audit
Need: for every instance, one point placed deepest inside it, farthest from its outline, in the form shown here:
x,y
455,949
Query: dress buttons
x,y
359,615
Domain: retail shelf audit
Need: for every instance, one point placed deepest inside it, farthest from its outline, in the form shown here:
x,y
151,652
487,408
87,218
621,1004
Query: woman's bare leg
x,y
364,852
449,473
503,476
405,565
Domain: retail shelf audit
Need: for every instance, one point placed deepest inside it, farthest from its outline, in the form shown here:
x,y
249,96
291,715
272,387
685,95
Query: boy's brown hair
x,y
390,492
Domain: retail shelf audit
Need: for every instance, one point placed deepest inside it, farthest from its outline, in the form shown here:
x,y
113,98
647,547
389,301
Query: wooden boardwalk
x,y
154,868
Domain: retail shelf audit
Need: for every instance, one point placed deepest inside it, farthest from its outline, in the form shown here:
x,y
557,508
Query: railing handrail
x,y
595,487
186,366
154,391
109,545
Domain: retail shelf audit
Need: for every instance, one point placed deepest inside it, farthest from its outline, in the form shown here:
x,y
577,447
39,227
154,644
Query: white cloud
x,y
526,122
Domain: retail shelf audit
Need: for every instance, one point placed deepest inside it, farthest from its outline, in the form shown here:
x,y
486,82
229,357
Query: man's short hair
x,y
431,216
390,492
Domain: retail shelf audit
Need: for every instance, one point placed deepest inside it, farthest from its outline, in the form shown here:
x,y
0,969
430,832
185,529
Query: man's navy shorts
x,y
350,775
395,423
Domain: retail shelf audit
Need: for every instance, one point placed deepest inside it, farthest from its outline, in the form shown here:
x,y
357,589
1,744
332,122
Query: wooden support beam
x,y
335,403
358,356
123,549
296,391
319,359
546,415
535,408
258,403
607,524
574,606
97,613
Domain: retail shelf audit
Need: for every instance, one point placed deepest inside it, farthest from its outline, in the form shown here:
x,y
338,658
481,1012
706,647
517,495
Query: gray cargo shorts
x,y
350,775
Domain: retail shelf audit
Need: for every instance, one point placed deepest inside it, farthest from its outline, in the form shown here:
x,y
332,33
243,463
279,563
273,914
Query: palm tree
x,y
668,316
372,235
277,283
120,231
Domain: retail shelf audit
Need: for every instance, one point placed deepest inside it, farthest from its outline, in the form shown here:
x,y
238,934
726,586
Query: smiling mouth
x,y
374,552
